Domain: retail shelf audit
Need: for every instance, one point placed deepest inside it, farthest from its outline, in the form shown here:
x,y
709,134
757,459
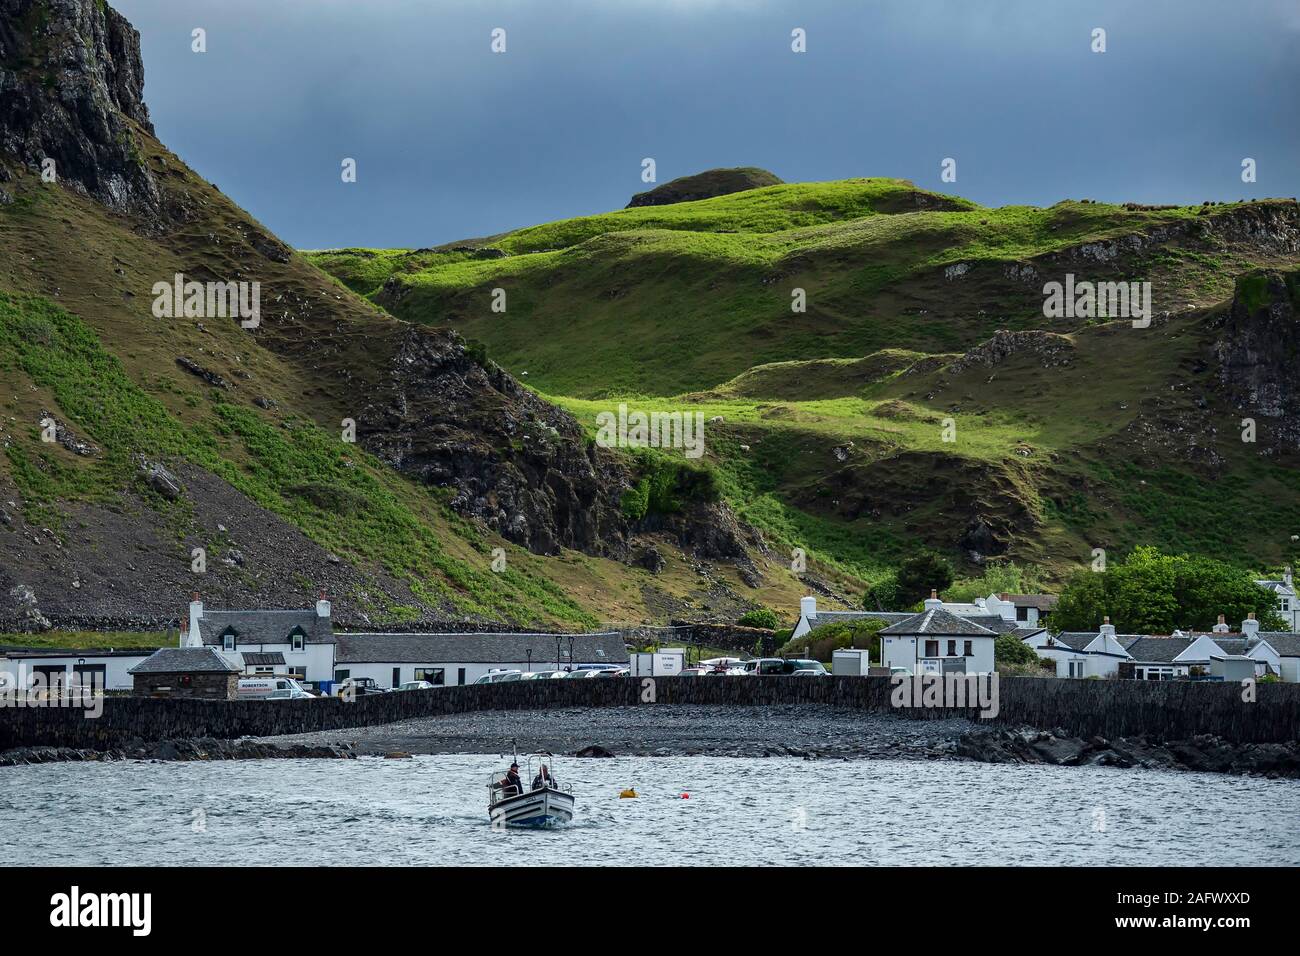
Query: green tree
x,y
1009,649
1150,592
921,574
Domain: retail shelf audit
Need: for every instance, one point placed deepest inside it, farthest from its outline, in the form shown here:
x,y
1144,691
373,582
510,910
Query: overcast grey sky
x,y
453,141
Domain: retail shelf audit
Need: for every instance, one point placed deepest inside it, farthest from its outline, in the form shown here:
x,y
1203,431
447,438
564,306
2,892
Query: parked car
x,y
780,665
500,677
900,672
270,688
692,672
416,685
359,687
799,665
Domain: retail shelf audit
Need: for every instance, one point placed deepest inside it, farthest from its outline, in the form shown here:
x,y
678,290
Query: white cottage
x,y
295,643
937,641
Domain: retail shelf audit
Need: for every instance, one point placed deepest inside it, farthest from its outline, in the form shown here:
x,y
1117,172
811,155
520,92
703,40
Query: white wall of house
x,y
1290,668
383,672
115,668
317,659
912,653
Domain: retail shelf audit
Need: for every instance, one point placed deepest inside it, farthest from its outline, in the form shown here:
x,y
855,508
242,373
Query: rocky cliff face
x,y
520,465
1256,351
71,84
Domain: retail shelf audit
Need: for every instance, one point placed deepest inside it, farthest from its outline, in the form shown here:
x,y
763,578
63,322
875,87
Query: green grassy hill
x,y
1091,434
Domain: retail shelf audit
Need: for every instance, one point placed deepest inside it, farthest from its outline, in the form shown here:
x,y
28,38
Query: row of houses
x,y
950,636
303,644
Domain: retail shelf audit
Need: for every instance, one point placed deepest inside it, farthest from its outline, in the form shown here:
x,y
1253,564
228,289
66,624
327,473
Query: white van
x,y
270,688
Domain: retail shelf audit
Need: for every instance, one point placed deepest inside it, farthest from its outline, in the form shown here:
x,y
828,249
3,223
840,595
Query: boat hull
x,y
535,808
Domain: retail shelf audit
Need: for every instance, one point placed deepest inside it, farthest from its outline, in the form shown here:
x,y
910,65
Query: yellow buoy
x,y
627,793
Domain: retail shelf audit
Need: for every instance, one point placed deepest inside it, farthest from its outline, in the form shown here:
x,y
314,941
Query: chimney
x,y
196,614
1250,626
322,606
932,602
1222,626
1286,577
1107,628
808,607
184,642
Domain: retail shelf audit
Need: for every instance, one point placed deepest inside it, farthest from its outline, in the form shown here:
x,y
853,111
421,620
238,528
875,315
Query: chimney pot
x,y
934,593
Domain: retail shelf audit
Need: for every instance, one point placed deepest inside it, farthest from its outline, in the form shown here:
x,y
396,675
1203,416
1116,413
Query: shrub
x,y
822,643
759,617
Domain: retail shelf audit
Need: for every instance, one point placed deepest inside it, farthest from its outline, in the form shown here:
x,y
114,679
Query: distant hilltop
x,y
706,185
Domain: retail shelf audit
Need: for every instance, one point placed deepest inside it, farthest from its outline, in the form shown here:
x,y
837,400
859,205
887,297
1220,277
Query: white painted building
x,y
453,659
298,643
99,668
1288,605
1081,654
1169,657
936,641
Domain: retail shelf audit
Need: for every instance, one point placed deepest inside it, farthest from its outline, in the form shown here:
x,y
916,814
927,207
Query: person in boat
x,y
543,779
511,785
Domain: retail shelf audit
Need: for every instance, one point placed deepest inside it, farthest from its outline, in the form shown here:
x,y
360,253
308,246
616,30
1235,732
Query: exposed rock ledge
x,y
182,750
1205,753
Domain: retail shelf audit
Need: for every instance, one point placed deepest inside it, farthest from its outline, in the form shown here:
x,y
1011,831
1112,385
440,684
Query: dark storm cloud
x,y
453,141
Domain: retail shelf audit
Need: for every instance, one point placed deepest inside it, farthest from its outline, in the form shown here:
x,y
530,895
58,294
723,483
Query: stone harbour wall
x,y
1172,710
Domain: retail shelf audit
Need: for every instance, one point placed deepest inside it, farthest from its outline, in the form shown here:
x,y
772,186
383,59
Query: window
x,y
262,671
434,675
1022,613
298,673
952,648
931,648
970,648
341,675
296,640
228,640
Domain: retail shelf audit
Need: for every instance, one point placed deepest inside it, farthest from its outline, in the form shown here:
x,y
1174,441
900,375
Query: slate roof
x,y
262,658
1157,650
997,623
607,648
265,627
1284,642
1076,640
938,623
184,660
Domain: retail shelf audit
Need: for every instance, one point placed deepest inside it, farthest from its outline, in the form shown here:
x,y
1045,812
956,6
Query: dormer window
x,y
296,640
228,640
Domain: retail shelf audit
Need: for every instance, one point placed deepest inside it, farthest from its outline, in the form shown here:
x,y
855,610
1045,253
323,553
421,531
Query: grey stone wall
x,y
1163,710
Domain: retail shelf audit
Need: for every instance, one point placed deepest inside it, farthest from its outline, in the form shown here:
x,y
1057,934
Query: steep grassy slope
x,y
663,300
452,459
828,427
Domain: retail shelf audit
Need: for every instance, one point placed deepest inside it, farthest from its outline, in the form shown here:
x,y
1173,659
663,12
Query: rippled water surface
x,y
785,811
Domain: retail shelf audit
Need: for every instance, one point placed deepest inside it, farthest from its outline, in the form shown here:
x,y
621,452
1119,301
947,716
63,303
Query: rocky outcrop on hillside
x,y
520,465
1256,349
71,83
1048,350
706,185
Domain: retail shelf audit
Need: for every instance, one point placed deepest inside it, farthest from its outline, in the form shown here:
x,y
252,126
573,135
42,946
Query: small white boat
x,y
543,804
